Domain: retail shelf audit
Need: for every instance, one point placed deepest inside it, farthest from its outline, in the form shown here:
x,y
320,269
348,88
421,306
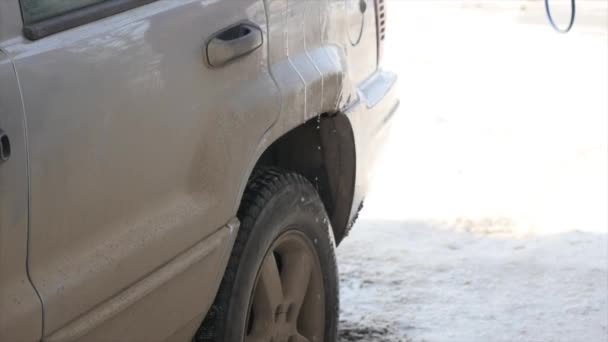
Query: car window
x,y
46,17
36,10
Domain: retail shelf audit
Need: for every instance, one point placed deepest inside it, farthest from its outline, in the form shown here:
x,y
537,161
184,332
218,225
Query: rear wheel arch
x,y
323,151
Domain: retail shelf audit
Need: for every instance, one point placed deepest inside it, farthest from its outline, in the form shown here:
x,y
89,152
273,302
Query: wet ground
x,y
487,220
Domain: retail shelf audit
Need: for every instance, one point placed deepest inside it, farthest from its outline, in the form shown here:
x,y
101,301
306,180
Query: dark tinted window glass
x,y
36,10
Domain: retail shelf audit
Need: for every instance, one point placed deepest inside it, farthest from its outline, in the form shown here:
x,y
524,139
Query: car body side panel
x,y
300,62
20,307
315,62
10,19
164,303
362,55
371,117
137,152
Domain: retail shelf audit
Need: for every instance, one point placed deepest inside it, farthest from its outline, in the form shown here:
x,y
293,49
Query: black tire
x,y
275,202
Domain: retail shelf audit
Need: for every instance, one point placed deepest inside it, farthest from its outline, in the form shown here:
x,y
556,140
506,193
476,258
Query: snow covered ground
x,y
488,219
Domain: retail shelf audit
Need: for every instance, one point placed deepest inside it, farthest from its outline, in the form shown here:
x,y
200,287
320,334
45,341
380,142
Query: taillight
x,y
380,26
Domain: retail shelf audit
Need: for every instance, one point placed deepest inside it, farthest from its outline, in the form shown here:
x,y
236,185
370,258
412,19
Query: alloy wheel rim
x,y
287,304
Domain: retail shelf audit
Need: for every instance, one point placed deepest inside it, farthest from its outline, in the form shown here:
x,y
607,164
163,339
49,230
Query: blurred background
x,y
488,216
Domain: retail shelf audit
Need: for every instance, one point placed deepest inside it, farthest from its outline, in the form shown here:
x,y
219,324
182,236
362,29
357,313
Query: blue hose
x,y
572,17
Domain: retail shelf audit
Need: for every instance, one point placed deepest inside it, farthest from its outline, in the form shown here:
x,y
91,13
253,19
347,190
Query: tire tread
x,y
263,185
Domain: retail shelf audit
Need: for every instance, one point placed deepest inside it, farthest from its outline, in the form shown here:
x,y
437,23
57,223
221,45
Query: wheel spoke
x,y
296,278
300,338
269,292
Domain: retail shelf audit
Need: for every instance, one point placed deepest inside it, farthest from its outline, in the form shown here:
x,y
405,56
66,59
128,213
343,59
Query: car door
x,y
139,139
20,308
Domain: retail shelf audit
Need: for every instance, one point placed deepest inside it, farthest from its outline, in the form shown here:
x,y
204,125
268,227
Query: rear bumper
x,y
370,117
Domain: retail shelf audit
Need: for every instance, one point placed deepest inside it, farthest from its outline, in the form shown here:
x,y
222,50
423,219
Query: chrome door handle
x,y
232,43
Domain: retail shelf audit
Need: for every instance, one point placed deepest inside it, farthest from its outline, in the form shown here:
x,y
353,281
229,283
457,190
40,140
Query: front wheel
x,y
281,282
